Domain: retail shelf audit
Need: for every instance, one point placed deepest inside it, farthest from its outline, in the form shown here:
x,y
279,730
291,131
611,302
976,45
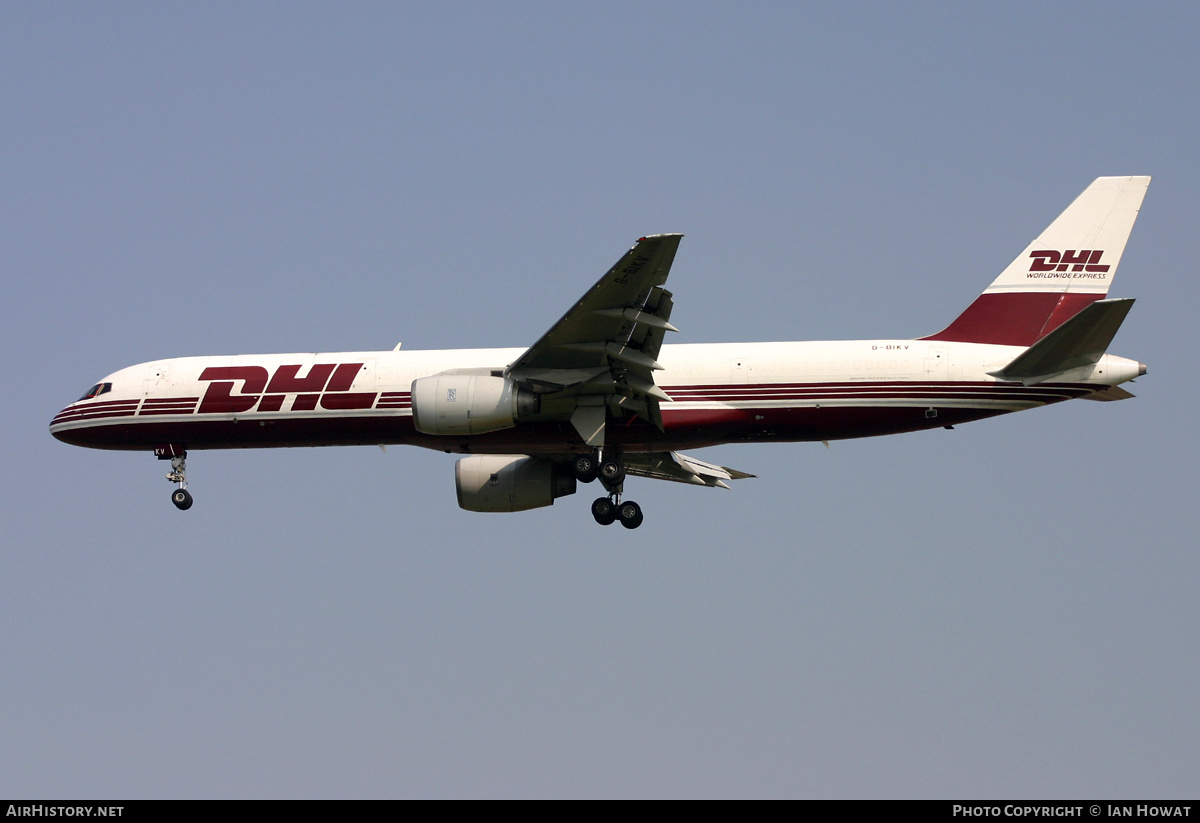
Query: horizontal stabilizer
x,y
681,469
1079,342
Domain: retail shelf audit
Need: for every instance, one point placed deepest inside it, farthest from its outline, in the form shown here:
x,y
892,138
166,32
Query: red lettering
x,y
219,399
1093,262
1044,260
285,379
1071,258
343,378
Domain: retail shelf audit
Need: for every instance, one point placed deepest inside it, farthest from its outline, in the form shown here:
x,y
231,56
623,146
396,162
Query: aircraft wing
x,y
681,469
603,353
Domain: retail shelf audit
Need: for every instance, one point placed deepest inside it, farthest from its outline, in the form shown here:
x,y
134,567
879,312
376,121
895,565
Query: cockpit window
x,y
96,391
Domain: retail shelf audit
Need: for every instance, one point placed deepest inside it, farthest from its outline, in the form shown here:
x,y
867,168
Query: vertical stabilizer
x,y
1065,269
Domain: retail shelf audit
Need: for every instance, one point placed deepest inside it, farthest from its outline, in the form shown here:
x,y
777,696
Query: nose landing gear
x,y
181,497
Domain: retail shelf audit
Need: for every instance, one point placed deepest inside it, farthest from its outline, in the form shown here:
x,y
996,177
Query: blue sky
x,y
1004,610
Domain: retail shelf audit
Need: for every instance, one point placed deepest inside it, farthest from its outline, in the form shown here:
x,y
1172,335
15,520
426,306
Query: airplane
x,y
600,397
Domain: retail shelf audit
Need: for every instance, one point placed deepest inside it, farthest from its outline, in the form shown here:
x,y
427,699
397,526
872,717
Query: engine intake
x,y
469,404
510,482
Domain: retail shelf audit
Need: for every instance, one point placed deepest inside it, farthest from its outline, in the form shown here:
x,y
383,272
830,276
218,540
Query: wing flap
x,y
1110,394
680,468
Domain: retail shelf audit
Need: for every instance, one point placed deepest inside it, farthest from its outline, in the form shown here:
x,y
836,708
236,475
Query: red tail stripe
x,y
1016,319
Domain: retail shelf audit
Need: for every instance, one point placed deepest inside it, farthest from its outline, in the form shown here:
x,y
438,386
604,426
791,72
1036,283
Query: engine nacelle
x,y
469,404
510,482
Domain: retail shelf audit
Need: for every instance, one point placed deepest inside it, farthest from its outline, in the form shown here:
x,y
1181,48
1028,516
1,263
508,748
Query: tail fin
x,y
1064,270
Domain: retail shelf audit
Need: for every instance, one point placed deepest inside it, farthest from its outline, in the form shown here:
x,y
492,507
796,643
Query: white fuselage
x,y
719,392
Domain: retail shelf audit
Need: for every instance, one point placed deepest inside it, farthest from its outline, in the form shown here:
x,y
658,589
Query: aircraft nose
x,y
61,417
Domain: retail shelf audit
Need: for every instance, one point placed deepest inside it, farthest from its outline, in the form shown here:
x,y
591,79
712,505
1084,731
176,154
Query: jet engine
x,y
469,404
510,482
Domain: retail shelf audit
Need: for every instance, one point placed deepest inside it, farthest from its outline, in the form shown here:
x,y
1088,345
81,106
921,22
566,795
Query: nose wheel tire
x,y
182,499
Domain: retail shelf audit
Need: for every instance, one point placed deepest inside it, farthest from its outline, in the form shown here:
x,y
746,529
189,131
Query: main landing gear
x,y
181,497
611,473
610,509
